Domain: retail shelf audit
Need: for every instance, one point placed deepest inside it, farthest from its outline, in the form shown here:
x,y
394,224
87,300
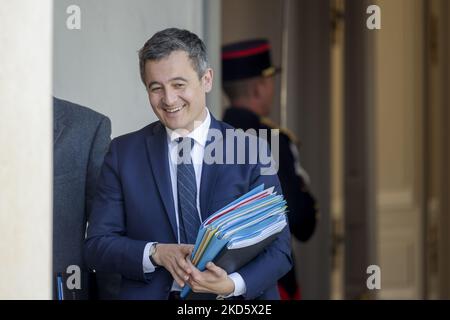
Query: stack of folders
x,y
237,233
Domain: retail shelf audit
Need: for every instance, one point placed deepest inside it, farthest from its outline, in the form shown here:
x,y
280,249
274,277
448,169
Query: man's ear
x,y
207,80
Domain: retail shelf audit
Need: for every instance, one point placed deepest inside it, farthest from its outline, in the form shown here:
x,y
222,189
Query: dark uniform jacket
x,y
302,208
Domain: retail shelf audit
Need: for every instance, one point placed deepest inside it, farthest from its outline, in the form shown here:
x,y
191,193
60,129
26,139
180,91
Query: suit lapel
x,y
157,153
209,176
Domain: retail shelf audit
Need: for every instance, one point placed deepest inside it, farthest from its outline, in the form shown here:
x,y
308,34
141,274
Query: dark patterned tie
x,y
187,193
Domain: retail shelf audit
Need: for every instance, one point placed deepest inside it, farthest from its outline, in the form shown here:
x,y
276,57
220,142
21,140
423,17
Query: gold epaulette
x,y
273,125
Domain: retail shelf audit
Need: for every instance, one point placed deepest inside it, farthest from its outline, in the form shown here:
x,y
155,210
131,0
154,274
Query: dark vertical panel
x,y
359,157
445,181
314,129
426,148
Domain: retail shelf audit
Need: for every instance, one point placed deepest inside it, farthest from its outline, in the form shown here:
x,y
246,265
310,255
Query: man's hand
x,y
213,280
173,258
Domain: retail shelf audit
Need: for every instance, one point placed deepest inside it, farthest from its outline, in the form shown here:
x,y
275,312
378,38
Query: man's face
x,y
176,94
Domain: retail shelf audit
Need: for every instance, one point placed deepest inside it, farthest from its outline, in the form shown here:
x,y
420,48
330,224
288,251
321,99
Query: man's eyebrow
x,y
152,83
179,78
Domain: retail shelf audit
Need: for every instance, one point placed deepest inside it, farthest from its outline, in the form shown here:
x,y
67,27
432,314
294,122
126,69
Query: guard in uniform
x,y
248,81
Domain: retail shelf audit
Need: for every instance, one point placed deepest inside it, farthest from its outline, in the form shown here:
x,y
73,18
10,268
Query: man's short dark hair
x,y
164,42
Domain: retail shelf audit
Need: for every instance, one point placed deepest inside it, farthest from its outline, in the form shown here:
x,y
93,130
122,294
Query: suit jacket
x,y
81,140
134,205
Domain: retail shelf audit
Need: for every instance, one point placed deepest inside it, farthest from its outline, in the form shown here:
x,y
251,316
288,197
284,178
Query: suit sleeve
x,y
275,261
107,248
99,147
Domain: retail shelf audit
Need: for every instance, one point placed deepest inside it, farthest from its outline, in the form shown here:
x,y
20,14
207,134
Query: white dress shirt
x,y
199,135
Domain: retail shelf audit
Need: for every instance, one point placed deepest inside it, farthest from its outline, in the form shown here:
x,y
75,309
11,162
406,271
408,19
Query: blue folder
x,y
237,233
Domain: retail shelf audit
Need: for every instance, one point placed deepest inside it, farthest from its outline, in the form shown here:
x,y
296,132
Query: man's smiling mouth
x,y
173,110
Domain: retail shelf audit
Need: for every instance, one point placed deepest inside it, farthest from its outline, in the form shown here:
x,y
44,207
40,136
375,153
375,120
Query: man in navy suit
x,y
149,204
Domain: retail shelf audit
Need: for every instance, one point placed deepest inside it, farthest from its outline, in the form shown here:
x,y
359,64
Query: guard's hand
x,y
173,258
213,280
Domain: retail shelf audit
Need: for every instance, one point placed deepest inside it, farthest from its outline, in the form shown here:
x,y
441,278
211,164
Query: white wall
x,y
97,66
26,149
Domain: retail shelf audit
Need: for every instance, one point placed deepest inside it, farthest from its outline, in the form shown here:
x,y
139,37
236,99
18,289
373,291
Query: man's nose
x,y
170,97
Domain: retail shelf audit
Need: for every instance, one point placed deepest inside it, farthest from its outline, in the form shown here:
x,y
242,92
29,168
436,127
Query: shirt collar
x,y
199,134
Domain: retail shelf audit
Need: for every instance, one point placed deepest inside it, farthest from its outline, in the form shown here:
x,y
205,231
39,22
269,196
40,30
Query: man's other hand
x,y
213,280
173,258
